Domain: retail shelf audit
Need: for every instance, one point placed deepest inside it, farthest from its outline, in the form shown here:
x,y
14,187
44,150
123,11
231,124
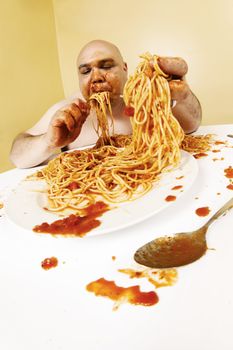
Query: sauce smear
x,y
74,224
219,143
129,111
170,198
177,187
132,295
230,187
229,172
159,278
204,211
48,263
200,155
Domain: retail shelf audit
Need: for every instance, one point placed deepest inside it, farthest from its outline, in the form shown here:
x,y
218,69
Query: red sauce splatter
x,y
48,263
230,187
219,143
204,211
215,150
215,159
177,187
229,172
159,278
73,186
132,295
129,111
74,224
170,198
200,155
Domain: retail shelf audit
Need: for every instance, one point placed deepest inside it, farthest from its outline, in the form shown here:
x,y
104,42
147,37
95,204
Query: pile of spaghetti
x,y
125,167
197,143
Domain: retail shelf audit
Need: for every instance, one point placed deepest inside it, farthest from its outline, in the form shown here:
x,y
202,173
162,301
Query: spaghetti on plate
x,y
120,167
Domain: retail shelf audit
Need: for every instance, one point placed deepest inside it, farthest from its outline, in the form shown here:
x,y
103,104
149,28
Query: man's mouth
x,y
100,87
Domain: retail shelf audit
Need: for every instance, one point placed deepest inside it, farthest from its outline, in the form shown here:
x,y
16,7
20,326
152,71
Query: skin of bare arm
x,y
187,108
59,129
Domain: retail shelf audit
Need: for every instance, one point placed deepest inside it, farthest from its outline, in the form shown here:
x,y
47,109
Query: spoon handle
x,y
220,212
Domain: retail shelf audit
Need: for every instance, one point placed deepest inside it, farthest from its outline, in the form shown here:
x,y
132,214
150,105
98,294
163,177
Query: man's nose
x,y
97,76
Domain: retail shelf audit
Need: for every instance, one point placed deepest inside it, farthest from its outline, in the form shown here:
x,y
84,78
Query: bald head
x,y
101,47
101,68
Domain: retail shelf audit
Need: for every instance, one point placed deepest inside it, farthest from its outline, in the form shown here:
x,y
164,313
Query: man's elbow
x,y
193,124
16,161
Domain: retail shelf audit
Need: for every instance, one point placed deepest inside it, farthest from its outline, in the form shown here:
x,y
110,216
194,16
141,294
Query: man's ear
x,y
125,67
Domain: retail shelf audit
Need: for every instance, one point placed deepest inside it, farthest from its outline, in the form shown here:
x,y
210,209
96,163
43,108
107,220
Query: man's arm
x,y
187,108
30,150
55,130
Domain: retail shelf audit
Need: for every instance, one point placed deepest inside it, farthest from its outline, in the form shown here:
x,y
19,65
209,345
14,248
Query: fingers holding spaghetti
x,y
179,90
64,120
66,124
173,66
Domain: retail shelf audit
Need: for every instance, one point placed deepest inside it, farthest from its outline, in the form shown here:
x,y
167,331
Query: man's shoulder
x,y
42,125
74,96
62,104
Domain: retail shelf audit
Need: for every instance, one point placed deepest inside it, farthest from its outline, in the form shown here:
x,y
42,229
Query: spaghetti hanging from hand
x,y
100,102
120,168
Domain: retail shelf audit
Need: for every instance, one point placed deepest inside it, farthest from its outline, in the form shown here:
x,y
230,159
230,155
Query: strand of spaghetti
x,y
101,103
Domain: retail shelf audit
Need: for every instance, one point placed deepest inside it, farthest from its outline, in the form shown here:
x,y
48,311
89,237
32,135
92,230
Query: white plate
x,y
24,205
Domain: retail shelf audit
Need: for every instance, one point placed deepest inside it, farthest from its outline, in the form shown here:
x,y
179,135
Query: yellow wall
x,y
201,31
29,68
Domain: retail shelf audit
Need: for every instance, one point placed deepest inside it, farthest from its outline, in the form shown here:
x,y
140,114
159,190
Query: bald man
x,y
69,124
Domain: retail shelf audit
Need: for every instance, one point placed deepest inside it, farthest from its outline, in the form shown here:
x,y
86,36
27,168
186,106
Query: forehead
x,y
95,52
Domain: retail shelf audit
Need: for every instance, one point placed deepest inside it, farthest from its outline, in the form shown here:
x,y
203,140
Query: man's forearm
x,y
28,151
188,113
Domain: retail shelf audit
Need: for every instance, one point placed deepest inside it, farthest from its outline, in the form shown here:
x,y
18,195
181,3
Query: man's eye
x,y
107,66
85,71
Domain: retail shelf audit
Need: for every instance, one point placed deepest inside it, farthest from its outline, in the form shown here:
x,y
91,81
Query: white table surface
x,y
52,310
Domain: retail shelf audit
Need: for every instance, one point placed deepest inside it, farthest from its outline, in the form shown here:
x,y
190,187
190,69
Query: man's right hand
x,y
66,124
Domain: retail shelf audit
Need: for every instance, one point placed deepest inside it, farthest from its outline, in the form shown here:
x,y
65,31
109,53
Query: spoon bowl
x,y
179,249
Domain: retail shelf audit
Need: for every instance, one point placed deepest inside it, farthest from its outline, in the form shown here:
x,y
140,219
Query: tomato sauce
x,y
177,187
200,155
73,186
132,295
229,172
129,111
73,224
219,143
170,198
230,187
49,263
204,211
159,278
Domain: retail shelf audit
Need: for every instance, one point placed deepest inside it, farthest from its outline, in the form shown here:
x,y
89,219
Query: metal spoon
x,y
180,249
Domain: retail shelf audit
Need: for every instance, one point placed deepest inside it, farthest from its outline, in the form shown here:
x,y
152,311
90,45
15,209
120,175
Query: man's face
x,y
101,68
